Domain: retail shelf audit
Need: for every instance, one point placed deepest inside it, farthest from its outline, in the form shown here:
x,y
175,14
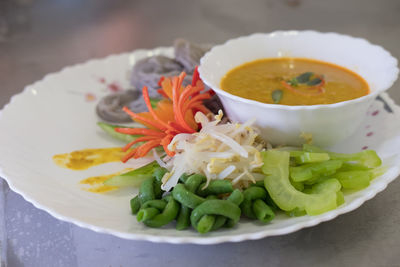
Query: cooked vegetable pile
x,y
308,181
211,172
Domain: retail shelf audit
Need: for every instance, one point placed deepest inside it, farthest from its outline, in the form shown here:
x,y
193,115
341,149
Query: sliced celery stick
x,y
110,130
302,157
314,170
354,179
135,177
367,158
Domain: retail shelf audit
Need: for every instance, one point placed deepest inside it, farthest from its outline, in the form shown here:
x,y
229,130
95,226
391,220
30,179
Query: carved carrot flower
x,y
173,115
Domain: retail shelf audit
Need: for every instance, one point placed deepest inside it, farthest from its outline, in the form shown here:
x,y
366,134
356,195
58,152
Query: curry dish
x,y
294,81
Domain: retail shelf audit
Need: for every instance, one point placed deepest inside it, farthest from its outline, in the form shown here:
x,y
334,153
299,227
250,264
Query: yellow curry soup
x,y
294,81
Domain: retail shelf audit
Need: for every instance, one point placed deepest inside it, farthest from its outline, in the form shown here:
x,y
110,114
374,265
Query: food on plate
x,y
109,108
294,81
297,182
212,172
147,72
208,171
173,115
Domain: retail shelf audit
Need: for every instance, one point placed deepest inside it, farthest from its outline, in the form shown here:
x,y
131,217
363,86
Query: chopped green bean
x,y
205,224
236,197
216,207
193,182
219,222
150,209
146,190
251,194
135,205
183,219
185,197
166,216
159,173
155,203
215,187
254,205
184,177
146,214
262,211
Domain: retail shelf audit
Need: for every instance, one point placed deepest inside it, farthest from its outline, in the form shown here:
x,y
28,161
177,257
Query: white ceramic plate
x,y
57,115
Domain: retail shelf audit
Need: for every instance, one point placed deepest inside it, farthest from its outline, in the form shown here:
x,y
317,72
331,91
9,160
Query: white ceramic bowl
x,y
282,124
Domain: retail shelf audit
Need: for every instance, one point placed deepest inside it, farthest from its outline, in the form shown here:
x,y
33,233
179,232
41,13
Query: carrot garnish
x,y
173,115
161,92
129,155
148,104
140,131
165,142
138,140
160,81
201,108
137,117
145,148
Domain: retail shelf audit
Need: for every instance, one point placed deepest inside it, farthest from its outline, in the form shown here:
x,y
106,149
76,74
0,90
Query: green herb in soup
x,y
294,81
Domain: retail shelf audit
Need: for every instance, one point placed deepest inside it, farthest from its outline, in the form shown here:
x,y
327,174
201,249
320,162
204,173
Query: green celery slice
x,y
314,170
110,130
367,158
134,177
349,166
354,179
339,198
302,157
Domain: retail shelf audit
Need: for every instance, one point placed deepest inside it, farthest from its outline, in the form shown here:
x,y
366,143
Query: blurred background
x,y
42,36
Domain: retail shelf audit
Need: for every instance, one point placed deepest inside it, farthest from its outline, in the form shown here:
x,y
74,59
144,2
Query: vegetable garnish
x,y
311,82
277,95
304,181
228,151
173,115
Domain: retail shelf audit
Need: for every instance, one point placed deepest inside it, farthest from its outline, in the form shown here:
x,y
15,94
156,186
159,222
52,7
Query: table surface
x,y
42,36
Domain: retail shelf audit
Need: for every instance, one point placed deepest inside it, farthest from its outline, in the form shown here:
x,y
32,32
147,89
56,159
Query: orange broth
x,y
294,81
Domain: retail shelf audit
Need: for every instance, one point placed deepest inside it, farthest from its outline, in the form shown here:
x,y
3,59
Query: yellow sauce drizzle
x,y
96,182
86,158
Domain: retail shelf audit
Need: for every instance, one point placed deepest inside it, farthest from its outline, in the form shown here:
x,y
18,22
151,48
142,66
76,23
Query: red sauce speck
x,y
102,80
364,147
89,97
370,133
114,87
375,113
